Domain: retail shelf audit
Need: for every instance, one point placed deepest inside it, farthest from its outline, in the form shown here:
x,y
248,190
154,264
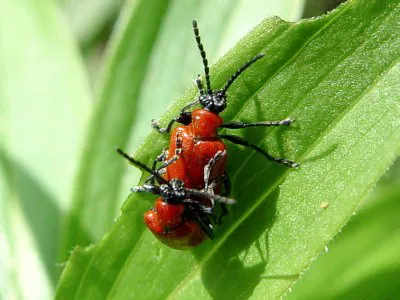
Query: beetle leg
x,y
184,118
241,141
208,167
238,125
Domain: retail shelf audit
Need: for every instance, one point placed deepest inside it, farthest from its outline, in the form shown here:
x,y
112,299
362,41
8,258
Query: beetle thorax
x,y
205,124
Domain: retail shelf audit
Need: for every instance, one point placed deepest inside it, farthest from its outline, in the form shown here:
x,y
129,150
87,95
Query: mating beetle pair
x,y
192,177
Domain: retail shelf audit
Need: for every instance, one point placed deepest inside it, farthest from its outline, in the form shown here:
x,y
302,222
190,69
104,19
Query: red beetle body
x,y
167,224
198,145
182,217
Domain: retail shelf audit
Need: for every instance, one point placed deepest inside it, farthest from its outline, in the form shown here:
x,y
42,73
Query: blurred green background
x,y
52,60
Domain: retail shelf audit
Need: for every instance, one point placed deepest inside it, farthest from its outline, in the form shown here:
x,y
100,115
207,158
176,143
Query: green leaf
x,y
147,68
363,262
338,77
44,102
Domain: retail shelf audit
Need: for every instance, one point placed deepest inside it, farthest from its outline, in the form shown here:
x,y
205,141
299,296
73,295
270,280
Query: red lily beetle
x,y
181,217
202,124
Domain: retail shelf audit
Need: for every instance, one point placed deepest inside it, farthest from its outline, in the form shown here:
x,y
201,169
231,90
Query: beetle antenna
x,y
142,166
203,56
240,71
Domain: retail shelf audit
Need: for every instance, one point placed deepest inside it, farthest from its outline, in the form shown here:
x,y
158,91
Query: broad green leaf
x,y
44,103
338,77
363,262
150,64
